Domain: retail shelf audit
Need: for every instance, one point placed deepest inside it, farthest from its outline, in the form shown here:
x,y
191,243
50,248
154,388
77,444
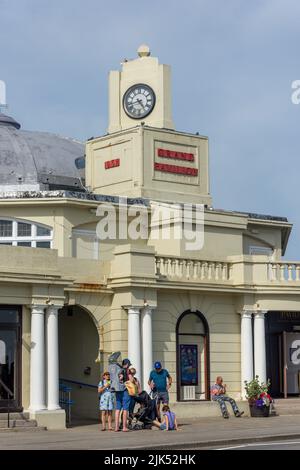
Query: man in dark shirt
x,y
160,381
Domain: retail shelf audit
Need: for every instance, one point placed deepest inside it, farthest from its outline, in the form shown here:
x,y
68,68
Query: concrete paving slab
x,y
193,433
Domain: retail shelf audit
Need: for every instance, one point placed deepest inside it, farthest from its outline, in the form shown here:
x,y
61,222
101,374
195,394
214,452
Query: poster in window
x,y
189,364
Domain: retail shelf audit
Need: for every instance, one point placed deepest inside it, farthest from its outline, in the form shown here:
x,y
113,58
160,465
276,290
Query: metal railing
x,y
9,394
65,401
65,395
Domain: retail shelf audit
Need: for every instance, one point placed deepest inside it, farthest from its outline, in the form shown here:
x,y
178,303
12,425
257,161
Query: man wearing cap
x,y
160,381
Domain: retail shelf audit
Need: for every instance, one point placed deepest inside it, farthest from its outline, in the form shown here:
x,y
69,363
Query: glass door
x,y
10,346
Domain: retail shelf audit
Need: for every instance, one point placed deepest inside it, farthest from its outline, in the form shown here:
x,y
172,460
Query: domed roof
x,y
37,160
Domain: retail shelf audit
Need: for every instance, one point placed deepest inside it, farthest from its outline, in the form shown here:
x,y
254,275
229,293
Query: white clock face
x,y
139,101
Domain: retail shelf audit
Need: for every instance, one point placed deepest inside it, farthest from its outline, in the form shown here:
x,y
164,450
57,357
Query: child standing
x,y
106,401
169,422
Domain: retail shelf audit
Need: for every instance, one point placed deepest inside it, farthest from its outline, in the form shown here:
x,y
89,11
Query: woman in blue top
x,y
106,401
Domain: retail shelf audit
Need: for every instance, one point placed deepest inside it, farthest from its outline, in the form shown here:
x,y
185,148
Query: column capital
x,y
53,308
246,313
37,308
148,308
132,308
260,313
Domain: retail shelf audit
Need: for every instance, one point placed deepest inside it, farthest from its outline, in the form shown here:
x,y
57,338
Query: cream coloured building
x,y
69,298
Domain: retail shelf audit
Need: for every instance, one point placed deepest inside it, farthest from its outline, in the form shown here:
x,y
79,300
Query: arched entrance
x,y
78,349
192,347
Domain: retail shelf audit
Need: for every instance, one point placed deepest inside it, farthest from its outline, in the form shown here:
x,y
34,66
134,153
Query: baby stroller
x,y
146,413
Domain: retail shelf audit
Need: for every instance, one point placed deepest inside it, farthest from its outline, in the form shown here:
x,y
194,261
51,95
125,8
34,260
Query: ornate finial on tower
x,y
144,51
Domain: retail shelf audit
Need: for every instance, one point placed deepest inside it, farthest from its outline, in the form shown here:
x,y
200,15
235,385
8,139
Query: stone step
x,y
24,429
19,423
21,415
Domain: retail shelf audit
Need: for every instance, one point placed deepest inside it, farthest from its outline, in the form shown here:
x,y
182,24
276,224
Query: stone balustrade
x,y
235,271
193,270
284,271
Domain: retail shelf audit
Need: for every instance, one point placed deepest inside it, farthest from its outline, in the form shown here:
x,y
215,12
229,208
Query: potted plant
x,y
258,398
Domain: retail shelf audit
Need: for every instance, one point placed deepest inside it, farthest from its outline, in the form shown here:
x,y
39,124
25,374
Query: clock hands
x,y
138,101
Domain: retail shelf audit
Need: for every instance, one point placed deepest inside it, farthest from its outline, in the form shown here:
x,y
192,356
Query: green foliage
x,y
255,388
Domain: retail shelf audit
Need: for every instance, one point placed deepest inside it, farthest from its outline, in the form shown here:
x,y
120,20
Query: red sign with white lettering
x,y
112,163
176,155
180,170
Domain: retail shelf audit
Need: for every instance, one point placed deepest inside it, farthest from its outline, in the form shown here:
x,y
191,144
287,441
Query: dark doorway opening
x,y
283,353
10,358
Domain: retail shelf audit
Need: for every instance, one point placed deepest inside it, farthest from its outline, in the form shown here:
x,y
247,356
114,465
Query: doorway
x,y
78,352
192,346
10,358
283,353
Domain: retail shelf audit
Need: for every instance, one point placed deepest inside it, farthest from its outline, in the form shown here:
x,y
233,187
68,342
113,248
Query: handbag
x,y
131,388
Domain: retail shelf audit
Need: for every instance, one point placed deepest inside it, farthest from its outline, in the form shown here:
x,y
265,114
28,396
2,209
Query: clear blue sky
x,y
233,64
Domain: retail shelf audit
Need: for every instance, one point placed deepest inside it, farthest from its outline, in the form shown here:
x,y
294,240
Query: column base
x,y
51,419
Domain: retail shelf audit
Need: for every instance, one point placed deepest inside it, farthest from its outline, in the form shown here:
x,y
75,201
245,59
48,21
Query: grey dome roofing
x,y
37,160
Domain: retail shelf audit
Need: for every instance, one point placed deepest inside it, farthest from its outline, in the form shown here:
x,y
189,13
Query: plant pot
x,y
259,411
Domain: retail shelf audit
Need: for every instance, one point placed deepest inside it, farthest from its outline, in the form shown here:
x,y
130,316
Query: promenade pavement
x,y
205,432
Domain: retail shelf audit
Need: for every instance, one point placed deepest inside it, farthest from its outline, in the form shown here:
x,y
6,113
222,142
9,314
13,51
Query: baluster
x,y
203,270
173,266
297,272
169,267
290,271
274,268
157,266
224,271
164,267
229,270
196,269
181,268
188,269
282,269
184,268
177,268
210,269
218,271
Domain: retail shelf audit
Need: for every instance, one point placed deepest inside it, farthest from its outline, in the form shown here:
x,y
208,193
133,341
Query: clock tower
x,y
142,155
140,91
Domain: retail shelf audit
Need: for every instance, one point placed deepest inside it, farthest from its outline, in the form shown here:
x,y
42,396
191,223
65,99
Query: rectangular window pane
x,y
5,228
42,231
24,230
43,244
24,243
8,315
6,243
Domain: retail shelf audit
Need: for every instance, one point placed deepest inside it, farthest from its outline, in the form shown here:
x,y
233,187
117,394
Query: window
x,y
24,230
5,228
23,233
43,244
260,250
42,231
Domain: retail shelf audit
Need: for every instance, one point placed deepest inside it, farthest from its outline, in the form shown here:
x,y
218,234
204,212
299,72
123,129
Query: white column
x,y
246,349
147,347
260,346
134,341
37,359
52,359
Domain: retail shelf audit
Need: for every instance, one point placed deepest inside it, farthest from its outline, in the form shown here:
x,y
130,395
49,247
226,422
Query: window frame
x,y
33,239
